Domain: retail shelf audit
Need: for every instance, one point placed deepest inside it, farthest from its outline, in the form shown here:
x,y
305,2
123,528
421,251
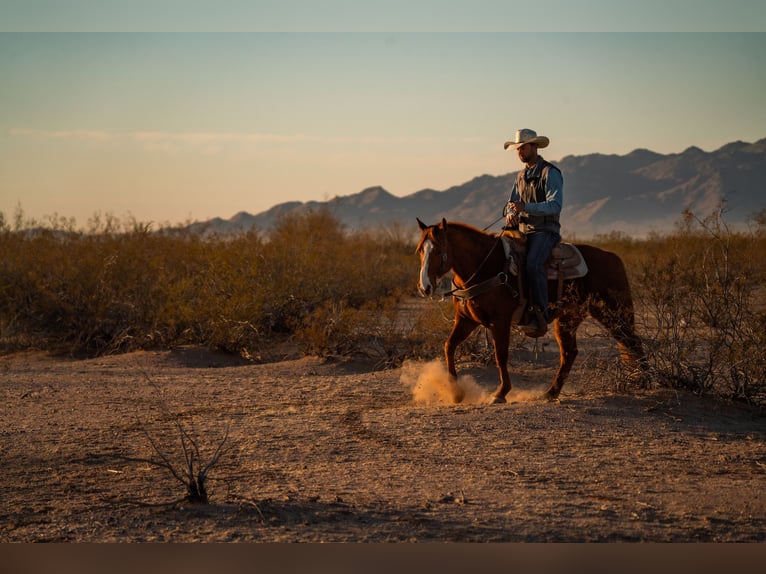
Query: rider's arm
x,y
554,191
514,194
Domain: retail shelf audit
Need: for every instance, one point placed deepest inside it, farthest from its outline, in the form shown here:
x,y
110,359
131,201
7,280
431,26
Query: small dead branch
x,y
193,470
193,473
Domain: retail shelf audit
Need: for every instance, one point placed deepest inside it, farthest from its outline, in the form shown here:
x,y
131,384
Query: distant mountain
x,y
636,193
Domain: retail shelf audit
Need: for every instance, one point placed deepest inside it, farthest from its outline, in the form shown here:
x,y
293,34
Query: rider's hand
x,y
512,219
518,206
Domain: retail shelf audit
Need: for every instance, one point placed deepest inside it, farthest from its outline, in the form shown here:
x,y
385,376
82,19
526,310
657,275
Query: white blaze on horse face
x,y
425,283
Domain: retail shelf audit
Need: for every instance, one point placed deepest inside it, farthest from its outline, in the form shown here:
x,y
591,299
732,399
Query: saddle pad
x,y
568,259
565,257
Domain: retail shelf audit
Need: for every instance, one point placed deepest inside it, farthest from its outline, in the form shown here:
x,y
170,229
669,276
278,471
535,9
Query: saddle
x,y
565,262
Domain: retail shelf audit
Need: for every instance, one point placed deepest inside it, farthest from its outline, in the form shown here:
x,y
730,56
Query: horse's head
x,y
435,256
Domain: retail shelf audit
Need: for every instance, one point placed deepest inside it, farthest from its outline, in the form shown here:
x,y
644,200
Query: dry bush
x,y
100,293
699,292
119,286
337,328
186,462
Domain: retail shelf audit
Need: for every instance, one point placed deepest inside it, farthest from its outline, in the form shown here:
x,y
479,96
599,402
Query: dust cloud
x,y
430,385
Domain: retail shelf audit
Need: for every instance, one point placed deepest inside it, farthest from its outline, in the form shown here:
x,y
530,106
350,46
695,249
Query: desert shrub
x,y
95,293
337,328
311,260
390,329
186,461
120,286
700,300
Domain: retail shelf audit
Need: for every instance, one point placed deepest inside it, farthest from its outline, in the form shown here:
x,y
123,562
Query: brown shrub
x,y
700,300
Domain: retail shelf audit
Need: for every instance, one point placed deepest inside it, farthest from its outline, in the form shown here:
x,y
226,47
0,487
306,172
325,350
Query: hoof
x,y
458,394
495,400
550,397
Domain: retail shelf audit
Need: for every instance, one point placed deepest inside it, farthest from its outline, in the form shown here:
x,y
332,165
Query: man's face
x,y
527,152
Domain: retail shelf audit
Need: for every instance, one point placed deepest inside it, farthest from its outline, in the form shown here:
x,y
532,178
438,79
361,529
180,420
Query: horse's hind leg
x,y
621,325
461,330
565,330
632,355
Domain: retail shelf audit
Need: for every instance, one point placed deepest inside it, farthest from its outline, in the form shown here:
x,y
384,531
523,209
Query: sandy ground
x,y
339,451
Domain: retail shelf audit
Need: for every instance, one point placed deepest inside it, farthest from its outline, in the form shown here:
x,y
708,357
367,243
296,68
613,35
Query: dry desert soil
x,y
343,451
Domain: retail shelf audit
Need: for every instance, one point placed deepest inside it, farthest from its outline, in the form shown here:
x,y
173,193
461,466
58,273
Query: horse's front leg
x,y
461,329
501,335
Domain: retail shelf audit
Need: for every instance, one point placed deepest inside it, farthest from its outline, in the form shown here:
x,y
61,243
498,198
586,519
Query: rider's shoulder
x,y
548,165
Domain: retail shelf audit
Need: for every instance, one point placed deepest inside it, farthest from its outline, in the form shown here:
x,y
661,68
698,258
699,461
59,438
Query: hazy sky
x,y
171,125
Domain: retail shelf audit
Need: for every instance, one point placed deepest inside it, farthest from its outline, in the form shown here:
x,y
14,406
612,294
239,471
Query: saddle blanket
x,y
565,258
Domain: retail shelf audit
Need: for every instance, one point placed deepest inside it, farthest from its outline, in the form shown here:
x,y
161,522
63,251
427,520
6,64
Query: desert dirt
x,y
343,450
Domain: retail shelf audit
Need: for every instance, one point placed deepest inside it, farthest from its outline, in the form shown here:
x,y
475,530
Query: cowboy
x,y
534,207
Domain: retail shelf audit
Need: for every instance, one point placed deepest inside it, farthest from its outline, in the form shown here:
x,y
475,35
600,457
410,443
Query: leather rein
x,y
469,293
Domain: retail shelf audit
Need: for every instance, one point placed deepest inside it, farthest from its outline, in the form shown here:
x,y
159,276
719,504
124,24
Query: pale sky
x,y
151,117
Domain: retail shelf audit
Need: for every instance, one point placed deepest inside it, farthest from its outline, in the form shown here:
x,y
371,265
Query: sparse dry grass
x,y
114,289
323,290
317,450
699,297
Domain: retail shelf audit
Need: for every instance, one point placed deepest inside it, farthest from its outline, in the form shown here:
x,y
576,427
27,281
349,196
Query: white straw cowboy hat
x,y
528,136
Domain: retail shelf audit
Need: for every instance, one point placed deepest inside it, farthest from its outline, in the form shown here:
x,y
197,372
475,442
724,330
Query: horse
x,y
478,258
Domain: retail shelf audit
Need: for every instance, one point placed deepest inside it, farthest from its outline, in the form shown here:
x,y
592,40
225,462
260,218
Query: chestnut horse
x,y
477,257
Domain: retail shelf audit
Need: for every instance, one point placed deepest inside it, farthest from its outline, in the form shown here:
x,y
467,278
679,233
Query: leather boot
x,y
536,326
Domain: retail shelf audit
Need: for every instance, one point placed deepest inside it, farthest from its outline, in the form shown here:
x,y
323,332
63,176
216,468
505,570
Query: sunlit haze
x,y
176,126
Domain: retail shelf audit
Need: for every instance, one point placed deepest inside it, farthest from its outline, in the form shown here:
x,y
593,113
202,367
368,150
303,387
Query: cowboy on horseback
x,y
534,207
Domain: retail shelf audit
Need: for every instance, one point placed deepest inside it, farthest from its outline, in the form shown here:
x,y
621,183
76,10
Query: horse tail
x,y
611,304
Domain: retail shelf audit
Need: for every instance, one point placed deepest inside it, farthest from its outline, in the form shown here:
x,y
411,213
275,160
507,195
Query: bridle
x,y
469,292
444,265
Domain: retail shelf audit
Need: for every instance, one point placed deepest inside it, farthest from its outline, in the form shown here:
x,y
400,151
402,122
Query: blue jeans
x,y
539,246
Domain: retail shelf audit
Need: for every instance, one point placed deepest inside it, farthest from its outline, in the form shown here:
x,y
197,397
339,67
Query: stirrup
x,y
537,326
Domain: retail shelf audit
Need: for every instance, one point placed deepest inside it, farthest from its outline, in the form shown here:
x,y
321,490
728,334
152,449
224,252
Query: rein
x,y
473,291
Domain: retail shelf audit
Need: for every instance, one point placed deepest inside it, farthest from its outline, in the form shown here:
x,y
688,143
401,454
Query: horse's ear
x,y
444,223
422,225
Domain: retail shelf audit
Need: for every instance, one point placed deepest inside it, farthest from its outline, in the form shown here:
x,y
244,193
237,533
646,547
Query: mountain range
x,y
635,194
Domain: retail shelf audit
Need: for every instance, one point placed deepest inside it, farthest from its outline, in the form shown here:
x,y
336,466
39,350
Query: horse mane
x,y
460,227
467,227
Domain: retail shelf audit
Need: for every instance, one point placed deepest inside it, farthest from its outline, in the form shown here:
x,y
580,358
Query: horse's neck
x,y
474,257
